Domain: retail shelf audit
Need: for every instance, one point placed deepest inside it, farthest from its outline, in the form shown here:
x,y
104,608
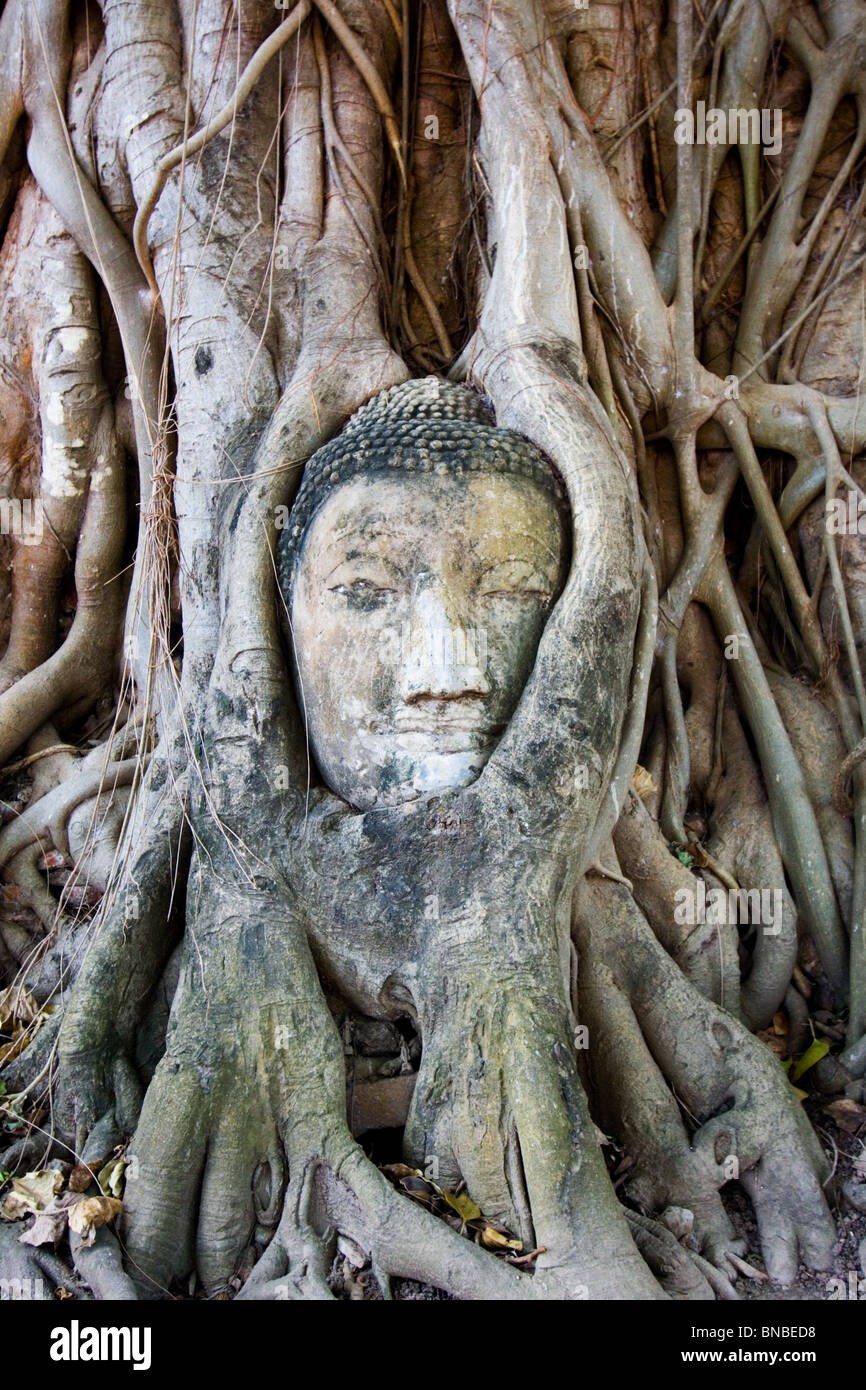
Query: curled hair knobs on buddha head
x,y
422,426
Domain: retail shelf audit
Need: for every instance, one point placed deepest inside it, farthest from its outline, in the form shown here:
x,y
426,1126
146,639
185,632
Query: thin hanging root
x,y
334,144
355,49
797,345
794,819
259,61
438,206
737,431
446,347
818,418
372,80
734,259
653,106
779,263
801,318
36,757
833,471
395,19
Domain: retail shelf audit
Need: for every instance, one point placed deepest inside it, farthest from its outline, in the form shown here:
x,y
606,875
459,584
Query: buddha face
x,y
416,609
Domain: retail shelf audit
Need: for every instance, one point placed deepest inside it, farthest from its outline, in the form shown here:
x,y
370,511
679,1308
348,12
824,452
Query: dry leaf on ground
x,y
32,1193
90,1213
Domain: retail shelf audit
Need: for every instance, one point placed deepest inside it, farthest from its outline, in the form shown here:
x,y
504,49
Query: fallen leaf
x,y
21,1017
90,1213
495,1240
419,1188
848,1114
17,1005
456,1209
818,1048
48,1228
643,782
16,1207
32,1193
110,1178
82,1176
396,1171
21,1039
777,1045
463,1204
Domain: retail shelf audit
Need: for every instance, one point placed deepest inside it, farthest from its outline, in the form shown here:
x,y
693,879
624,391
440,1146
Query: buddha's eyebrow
x,y
369,530
360,555
547,549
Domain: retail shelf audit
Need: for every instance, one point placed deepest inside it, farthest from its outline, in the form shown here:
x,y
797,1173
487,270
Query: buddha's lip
x,y
446,719
434,727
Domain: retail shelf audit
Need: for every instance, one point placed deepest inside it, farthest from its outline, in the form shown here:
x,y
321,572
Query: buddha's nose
x,y
442,658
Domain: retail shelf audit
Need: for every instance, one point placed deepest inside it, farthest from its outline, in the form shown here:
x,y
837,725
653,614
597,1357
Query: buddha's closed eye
x,y
365,584
364,593
514,579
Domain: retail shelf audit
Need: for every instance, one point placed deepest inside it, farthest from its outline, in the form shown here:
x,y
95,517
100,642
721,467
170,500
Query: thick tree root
x,y
649,1029
118,971
243,1127
704,952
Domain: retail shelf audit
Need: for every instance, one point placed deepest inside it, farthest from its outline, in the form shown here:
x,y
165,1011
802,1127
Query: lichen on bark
x,y
226,228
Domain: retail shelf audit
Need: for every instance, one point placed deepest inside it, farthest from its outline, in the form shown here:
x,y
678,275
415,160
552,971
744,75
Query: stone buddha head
x,y
423,553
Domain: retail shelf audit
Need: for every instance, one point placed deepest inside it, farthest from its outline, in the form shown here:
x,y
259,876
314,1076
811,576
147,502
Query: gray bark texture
x,y
226,226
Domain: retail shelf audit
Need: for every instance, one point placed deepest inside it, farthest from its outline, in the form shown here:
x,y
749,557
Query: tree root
x,y
34,1269
747,1122
44,824
742,839
682,1273
340,1191
100,1265
120,968
243,1127
706,954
